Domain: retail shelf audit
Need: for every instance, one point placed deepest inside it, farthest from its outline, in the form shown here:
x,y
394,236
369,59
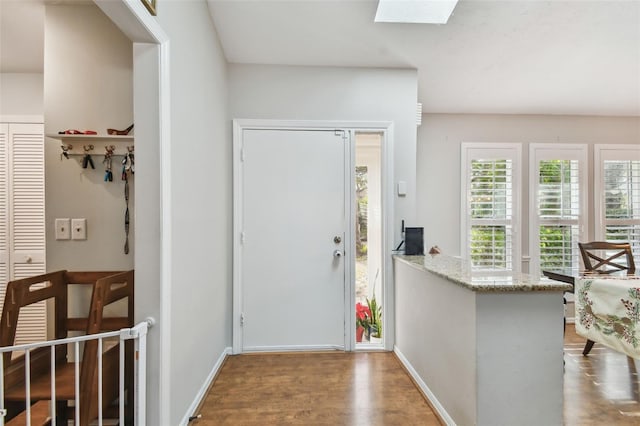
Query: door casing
x,y
350,127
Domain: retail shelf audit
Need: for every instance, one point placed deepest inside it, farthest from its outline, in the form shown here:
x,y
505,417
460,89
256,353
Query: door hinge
x,y
242,237
242,154
242,319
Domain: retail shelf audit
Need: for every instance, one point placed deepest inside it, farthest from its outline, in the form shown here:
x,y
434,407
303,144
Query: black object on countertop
x,y
414,241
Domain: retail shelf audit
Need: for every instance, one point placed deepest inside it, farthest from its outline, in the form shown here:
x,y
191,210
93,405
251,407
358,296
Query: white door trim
x,y
239,125
133,19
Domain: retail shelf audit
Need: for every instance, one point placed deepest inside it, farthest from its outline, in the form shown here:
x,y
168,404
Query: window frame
x,y
602,153
552,151
492,151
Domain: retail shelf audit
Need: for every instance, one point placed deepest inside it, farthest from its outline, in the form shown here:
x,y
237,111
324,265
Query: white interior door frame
x,y
350,127
135,21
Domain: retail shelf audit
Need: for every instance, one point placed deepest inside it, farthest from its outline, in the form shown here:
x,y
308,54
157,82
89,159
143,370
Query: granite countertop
x,y
459,272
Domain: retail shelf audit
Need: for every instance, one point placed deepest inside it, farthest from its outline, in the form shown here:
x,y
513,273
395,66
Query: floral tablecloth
x,y
608,312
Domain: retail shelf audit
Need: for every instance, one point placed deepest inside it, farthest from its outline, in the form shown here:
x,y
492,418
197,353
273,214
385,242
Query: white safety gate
x,y
137,333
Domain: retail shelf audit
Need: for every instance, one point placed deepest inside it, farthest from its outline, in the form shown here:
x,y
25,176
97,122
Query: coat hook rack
x,y
88,150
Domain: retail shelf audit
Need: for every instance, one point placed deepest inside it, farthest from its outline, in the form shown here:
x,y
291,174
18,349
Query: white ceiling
x,y
516,57
509,56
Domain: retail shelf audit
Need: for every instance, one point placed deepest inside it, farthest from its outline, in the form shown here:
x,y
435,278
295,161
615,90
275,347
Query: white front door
x,y
293,216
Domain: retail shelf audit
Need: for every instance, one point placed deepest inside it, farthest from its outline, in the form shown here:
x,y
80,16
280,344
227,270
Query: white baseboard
x,y
297,348
205,386
424,388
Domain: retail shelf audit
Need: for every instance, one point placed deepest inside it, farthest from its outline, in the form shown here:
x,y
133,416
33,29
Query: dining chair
x,y
605,258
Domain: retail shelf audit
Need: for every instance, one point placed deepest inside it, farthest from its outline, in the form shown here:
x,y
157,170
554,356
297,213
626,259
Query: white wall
x,y
88,83
21,94
438,160
436,333
201,201
329,93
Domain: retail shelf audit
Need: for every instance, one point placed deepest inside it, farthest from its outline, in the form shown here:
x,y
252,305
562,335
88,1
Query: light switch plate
x,y
402,188
79,229
63,229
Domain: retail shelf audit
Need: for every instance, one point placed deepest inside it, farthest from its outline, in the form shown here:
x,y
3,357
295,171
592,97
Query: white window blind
x,y
559,213
491,199
490,206
619,193
558,179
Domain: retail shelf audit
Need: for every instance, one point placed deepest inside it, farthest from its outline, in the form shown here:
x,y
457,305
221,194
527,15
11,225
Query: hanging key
x,y
108,157
65,150
87,160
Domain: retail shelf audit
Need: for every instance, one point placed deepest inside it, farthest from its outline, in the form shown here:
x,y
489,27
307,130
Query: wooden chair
x,y
108,287
605,258
598,257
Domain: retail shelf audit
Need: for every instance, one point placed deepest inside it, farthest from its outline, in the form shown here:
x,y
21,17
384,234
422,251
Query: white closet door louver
x,y
27,193
25,199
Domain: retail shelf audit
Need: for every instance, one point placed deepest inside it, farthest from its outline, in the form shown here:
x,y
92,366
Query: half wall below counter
x,y
485,350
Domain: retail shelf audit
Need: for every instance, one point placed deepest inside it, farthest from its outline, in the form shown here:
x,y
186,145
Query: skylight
x,y
415,11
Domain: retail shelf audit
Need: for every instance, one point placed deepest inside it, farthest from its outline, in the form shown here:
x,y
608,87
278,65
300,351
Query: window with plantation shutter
x,y
491,206
617,182
22,221
558,195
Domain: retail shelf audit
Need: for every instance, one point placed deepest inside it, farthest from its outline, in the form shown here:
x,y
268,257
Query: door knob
x,y
337,253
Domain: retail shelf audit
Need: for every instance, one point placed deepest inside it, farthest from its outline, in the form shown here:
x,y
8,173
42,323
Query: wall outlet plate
x,y
63,229
79,229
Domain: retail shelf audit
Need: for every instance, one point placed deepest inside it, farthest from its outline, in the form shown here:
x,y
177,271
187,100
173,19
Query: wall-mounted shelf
x,y
94,138
78,144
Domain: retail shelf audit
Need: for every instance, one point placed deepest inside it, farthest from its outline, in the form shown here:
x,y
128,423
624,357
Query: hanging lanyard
x,y
126,216
127,167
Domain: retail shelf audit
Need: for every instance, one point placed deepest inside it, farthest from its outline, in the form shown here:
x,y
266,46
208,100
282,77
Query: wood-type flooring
x,y
333,388
337,388
601,388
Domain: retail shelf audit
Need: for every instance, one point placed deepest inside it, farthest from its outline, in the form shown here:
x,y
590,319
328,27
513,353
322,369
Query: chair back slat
x,y
597,257
106,291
